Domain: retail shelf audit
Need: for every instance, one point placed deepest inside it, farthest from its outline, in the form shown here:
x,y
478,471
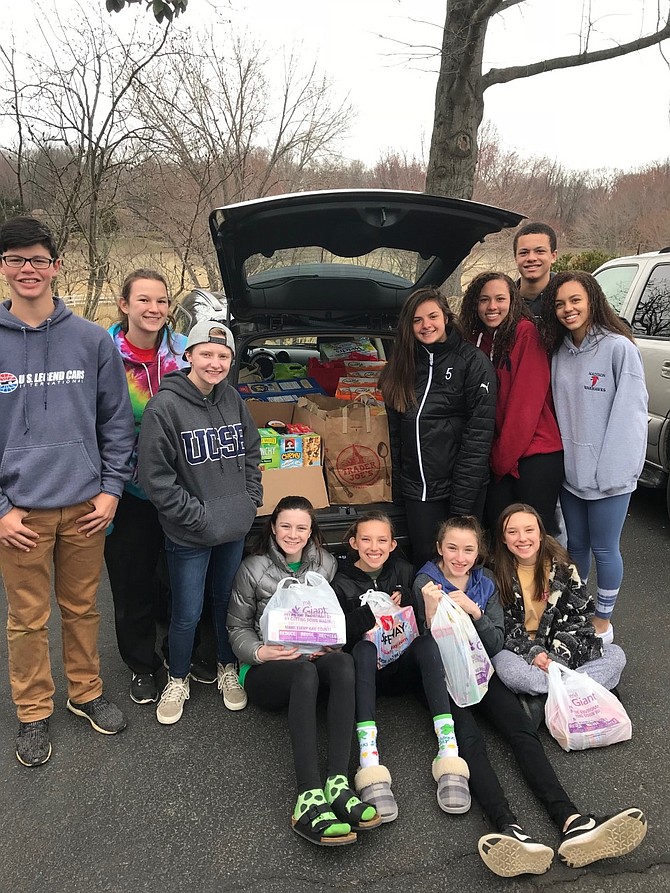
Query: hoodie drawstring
x,y
25,378
46,363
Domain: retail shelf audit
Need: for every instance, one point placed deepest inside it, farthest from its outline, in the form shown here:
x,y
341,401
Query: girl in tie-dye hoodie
x,y
149,349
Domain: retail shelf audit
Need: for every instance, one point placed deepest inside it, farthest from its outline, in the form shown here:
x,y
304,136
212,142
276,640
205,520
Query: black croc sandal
x,y
313,822
346,811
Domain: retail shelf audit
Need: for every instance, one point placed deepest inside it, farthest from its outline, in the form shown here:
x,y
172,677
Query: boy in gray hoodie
x,y
65,442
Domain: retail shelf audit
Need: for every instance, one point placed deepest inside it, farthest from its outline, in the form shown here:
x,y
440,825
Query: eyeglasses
x,y
37,262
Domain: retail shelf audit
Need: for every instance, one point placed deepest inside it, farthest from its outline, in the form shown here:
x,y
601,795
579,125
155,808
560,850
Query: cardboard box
x,y
341,349
279,482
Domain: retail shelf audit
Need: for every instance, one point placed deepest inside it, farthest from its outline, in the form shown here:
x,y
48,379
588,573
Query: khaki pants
x,y
77,562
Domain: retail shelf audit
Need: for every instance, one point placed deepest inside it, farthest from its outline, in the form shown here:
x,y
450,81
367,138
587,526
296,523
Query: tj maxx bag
x,y
395,627
355,438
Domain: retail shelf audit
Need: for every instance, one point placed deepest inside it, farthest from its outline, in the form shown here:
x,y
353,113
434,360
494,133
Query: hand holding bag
x,y
395,627
305,615
580,713
467,668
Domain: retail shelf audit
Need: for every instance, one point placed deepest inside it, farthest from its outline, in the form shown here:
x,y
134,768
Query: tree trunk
x,y
459,103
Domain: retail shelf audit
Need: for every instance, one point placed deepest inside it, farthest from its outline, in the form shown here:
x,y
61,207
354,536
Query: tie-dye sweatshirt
x,y
143,380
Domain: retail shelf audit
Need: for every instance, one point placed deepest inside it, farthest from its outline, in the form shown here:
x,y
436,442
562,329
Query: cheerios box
x,y
307,480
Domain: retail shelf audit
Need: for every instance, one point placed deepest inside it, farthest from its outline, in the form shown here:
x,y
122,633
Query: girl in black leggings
x,y
278,676
373,564
509,851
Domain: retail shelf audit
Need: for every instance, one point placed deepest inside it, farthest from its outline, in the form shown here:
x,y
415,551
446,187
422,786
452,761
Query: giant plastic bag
x,y
305,615
467,668
395,627
580,713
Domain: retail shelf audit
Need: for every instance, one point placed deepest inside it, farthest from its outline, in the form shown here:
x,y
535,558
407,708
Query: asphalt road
x,y
204,805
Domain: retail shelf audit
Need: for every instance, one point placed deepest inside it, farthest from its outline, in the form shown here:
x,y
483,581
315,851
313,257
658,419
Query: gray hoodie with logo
x,y
199,461
67,428
600,399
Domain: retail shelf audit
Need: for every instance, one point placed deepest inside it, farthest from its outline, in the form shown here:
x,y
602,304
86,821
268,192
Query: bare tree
x,y
459,98
225,130
163,10
76,133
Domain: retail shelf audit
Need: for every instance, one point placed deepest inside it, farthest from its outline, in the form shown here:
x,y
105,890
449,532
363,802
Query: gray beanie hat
x,y
199,334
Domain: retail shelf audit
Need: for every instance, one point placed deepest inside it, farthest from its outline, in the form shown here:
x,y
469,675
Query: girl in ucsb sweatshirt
x,y
601,405
199,455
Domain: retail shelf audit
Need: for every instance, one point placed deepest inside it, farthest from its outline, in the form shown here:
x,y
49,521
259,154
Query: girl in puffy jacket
x,y
548,613
600,396
508,850
527,452
149,349
277,676
440,395
374,564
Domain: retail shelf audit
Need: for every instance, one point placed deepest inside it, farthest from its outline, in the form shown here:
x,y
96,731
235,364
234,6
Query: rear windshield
x,y
615,282
390,265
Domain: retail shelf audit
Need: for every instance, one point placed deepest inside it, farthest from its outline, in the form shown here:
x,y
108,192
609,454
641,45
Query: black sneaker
x,y
511,851
589,839
143,688
533,707
105,717
203,672
33,747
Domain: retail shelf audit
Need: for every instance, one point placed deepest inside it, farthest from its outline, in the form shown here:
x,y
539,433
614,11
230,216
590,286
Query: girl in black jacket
x,y
440,395
374,566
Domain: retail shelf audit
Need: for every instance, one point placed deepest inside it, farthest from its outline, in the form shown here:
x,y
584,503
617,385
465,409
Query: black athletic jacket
x,y
440,447
350,583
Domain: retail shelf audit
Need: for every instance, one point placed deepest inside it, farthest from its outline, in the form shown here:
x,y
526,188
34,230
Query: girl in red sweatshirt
x,y
527,453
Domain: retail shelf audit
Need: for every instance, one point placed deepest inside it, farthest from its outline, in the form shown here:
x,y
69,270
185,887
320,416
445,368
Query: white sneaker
x,y
171,705
234,696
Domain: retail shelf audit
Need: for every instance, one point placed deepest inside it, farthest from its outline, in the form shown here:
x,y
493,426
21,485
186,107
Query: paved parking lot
x,y
204,805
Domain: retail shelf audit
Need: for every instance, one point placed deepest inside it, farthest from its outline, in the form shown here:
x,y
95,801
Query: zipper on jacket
x,y
416,425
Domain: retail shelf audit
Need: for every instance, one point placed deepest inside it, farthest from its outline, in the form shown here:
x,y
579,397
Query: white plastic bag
x,y
305,615
395,628
467,667
580,713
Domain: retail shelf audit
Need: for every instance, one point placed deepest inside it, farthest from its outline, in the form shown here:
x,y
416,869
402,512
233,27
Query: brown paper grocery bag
x,y
355,441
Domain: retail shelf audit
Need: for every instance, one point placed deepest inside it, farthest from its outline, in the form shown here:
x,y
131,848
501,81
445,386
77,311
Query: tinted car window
x,y
615,282
652,316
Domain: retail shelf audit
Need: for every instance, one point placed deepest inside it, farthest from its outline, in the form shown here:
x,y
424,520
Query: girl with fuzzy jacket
x,y
548,613
374,565
278,676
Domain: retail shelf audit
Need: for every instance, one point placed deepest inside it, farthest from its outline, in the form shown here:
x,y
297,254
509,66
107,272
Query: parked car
x,y
638,287
306,268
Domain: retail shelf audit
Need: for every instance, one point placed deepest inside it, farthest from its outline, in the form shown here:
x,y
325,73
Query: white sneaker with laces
x,y
234,696
171,705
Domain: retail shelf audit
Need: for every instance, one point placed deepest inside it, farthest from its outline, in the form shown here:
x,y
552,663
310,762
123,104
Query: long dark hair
x,y
505,564
505,333
397,379
126,288
601,315
262,545
464,522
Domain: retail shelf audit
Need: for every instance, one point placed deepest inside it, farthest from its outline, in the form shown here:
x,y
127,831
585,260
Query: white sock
x,y
446,739
366,732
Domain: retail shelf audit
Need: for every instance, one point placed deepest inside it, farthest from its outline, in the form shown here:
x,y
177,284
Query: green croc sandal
x,y
313,820
347,806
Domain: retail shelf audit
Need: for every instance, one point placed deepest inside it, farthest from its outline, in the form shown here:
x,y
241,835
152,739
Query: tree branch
x,y
515,72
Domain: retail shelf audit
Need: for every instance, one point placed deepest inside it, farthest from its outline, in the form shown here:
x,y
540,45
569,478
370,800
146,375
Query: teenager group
x,y
133,444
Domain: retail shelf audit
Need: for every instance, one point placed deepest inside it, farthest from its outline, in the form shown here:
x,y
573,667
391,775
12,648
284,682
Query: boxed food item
x,y
307,481
366,368
289,450
358,389
341,349
284,391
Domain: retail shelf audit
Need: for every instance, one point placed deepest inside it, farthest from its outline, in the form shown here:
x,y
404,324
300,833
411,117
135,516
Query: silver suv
x,y
638,287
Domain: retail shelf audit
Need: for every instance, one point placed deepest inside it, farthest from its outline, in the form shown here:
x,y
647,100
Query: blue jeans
x,y
188,571
595,525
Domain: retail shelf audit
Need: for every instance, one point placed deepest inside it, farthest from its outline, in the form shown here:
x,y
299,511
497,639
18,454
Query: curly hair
x,y
505,333
397,379
602,317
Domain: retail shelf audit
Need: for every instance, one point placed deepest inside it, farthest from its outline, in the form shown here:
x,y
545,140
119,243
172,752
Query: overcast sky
x,y
612,114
